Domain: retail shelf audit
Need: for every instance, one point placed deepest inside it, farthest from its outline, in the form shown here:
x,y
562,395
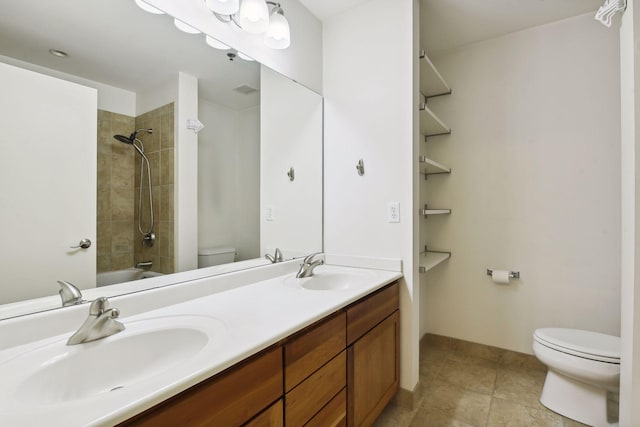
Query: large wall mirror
x,y
102,145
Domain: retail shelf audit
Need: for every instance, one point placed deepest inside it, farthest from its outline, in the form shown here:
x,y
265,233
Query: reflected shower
x,y
148,236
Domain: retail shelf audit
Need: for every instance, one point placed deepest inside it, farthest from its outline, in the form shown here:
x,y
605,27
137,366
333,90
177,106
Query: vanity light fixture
x,y
185,27
245,57
223,7
214,43
253,17
148,8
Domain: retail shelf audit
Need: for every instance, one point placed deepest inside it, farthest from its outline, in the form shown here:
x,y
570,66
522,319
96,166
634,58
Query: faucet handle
x,y
98,306
309,258
278,255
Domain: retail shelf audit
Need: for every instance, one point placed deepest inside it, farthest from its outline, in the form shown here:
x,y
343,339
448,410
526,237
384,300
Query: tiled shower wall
x,y
116,187
159,147
119,241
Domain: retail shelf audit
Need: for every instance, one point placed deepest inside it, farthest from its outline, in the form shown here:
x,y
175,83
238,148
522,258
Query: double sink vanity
x,y
257,347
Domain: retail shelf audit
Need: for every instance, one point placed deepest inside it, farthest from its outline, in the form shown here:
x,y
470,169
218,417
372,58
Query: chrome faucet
x,y
277,257
69,294
308,264
100,324
144,264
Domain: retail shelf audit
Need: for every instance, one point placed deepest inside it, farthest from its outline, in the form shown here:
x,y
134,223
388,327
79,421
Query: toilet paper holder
x,y
512,274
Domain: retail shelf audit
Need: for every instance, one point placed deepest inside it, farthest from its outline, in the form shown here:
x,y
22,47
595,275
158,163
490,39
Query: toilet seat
x,y
584,344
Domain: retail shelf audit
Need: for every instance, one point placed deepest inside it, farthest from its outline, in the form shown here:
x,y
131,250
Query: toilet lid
x,y
586,344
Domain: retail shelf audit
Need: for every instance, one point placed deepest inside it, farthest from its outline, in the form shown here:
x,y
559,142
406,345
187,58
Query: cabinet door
x,y
230,399
373,372
273,416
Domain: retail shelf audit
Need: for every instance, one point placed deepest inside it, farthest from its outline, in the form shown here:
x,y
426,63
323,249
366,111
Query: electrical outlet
x,y
393,212
270,214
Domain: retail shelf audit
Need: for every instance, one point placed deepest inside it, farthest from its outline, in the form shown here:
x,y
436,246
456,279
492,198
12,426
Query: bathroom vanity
x,y
342,370
322,350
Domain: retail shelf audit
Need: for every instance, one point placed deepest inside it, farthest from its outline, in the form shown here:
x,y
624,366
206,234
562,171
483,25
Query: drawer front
x,y
271,417
229,399
364,315
312,348
334,414
308,398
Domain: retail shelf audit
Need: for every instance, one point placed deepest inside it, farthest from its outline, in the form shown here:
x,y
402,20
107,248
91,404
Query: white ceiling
x,y
324,9
116,43
447,24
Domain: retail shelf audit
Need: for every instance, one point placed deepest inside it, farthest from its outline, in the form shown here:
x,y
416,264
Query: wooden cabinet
x,y
273,416
334,414
373,357
229,399
315,369
307,351
309,379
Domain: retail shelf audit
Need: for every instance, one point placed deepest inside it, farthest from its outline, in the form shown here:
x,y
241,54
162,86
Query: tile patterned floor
x,y
472,385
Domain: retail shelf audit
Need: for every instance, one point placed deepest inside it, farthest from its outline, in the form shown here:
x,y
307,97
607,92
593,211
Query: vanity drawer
x,y
306,352
229,399
334,414
273,416
308,398
364,315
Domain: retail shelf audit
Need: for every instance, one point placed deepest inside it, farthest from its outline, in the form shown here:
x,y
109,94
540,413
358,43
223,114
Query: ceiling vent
x,y
245,89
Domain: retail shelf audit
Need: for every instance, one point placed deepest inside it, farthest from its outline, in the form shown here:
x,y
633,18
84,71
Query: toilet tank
x,y
208,257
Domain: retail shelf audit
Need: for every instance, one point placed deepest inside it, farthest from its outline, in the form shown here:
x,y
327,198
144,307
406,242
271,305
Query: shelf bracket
x,y
428,97
436,134
425,212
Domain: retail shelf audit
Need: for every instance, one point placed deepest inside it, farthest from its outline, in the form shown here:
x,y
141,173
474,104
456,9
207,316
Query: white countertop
x,y
253,317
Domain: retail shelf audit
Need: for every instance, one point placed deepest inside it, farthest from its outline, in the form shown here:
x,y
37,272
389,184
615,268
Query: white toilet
x,y
583,366
208,257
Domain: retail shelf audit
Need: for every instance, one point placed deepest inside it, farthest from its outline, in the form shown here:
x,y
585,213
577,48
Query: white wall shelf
x,y
430,124
431,82
431,167
429,260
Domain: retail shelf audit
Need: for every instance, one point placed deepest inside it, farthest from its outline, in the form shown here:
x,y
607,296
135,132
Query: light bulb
x,y
216,44
254,16
245,57
278,35
223,7
185,27
148,8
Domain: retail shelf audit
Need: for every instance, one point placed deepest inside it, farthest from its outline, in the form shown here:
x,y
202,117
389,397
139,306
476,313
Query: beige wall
x,y
115,193
159,148
119,241
535,187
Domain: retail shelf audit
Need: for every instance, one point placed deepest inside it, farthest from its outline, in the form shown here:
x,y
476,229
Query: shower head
x,y
131,138
125,139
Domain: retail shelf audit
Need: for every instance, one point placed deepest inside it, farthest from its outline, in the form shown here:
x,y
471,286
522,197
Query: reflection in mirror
x,y
96,145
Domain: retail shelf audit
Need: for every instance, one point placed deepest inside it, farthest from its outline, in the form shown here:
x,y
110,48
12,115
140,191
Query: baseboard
x,y
408,399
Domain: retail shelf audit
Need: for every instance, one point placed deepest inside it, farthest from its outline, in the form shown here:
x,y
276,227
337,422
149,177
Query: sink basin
x,y
328,278
57,373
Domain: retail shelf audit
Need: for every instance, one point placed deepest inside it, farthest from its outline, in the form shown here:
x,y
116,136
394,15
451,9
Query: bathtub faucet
x,y
144,264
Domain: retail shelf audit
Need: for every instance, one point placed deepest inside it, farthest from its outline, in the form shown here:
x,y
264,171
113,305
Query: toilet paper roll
x,y
500,276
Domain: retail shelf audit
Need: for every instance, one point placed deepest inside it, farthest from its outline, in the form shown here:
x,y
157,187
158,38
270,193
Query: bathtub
x,y
120,276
